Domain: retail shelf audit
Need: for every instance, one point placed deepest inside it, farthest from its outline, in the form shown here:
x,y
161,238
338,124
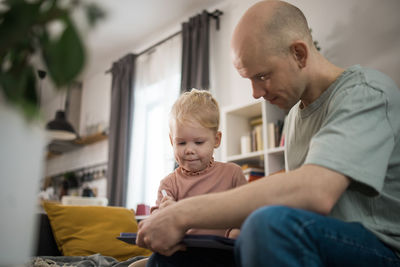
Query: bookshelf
x,y
237,122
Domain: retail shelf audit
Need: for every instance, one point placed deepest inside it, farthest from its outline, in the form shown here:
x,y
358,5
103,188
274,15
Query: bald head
x,y
273,48
270,26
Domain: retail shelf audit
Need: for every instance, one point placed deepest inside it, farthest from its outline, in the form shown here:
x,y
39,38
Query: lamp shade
x,y
60,128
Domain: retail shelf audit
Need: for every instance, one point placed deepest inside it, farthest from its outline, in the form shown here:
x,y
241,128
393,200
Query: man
x,y
338,204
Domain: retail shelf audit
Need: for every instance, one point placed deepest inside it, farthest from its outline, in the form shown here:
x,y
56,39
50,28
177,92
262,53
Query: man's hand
x,y
162,232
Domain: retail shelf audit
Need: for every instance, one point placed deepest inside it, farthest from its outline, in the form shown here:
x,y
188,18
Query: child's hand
x,y
234,233
166,201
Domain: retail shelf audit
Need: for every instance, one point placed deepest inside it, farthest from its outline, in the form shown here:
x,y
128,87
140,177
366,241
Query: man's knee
x,y
270,223
271,218
261,233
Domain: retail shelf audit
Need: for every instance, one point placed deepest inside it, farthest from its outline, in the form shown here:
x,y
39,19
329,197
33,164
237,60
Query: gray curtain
x,y
195,53
120,119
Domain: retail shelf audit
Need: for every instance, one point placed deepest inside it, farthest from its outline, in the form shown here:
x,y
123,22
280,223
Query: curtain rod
x,y
215,15
153,46
158,43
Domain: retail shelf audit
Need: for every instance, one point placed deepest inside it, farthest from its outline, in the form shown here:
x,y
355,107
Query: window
x,y
157,86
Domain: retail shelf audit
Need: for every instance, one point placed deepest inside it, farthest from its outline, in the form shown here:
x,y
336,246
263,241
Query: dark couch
x,y
46,244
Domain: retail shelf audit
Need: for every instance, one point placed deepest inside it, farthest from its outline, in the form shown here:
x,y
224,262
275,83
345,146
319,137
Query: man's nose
x,y
258,90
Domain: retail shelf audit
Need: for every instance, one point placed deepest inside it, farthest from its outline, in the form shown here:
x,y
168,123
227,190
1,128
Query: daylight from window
x,y
156,89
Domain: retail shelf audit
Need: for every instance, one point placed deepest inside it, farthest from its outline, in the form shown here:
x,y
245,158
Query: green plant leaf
x,y
64,57
24,31
20,89
16,23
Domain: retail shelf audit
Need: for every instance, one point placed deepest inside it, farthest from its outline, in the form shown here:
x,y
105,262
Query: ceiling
x,y
129,22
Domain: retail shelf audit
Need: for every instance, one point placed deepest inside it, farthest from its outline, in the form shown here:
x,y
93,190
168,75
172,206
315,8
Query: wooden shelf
x,y
51,155
59,147
250,155
276,150
91,139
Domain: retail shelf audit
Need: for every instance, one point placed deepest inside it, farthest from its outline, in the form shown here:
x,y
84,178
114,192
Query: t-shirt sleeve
x,y
239,178
356,139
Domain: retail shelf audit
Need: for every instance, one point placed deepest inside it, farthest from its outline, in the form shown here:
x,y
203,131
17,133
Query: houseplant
x,y
43,29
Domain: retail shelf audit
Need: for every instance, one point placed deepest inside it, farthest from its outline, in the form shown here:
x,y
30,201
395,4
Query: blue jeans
x,y
283,236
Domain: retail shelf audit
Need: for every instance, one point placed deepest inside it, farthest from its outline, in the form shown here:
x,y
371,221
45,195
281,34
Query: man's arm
x,y
310,187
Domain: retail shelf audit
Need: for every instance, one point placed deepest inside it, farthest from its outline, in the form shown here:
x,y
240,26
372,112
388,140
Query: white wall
x,y
365,32
95,109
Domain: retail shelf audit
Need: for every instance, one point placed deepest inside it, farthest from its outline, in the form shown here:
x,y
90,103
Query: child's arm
x,y
166,200
166,188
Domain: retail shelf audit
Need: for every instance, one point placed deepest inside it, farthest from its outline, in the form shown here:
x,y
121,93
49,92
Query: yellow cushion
x,y
87,230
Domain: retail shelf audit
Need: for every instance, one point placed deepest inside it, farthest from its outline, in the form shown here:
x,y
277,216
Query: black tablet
x,y
199,241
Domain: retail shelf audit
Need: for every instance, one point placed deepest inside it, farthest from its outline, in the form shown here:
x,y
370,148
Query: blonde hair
x,y
196,105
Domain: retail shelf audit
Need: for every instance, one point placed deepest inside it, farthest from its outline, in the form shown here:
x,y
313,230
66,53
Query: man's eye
x,y
263,77
199,142
181,143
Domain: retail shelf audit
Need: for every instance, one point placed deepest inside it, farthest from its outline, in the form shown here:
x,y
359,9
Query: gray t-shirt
x,y
354,128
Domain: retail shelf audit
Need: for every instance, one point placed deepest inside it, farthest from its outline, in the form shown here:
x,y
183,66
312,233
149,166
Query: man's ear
x,y
299,51
170,140
218,136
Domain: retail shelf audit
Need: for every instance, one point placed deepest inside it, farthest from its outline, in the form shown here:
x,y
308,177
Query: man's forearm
x,y
306,189
310,187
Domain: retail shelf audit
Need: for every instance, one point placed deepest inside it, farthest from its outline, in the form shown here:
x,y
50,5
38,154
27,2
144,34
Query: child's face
x,y
193,145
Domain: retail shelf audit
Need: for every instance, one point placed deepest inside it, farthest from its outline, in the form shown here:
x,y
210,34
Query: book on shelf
x,y
256,121
271,134
282,141
251,166
259,137
278,132
252,173
256,134
253,140
282,133
275,134
253,176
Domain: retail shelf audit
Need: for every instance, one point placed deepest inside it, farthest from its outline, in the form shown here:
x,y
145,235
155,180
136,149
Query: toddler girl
x,y
194,134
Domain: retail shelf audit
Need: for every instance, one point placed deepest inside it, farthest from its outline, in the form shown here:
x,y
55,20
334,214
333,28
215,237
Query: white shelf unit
x,y
236,123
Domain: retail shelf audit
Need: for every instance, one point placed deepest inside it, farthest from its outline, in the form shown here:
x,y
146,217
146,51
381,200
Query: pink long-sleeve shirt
x,y
217,177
